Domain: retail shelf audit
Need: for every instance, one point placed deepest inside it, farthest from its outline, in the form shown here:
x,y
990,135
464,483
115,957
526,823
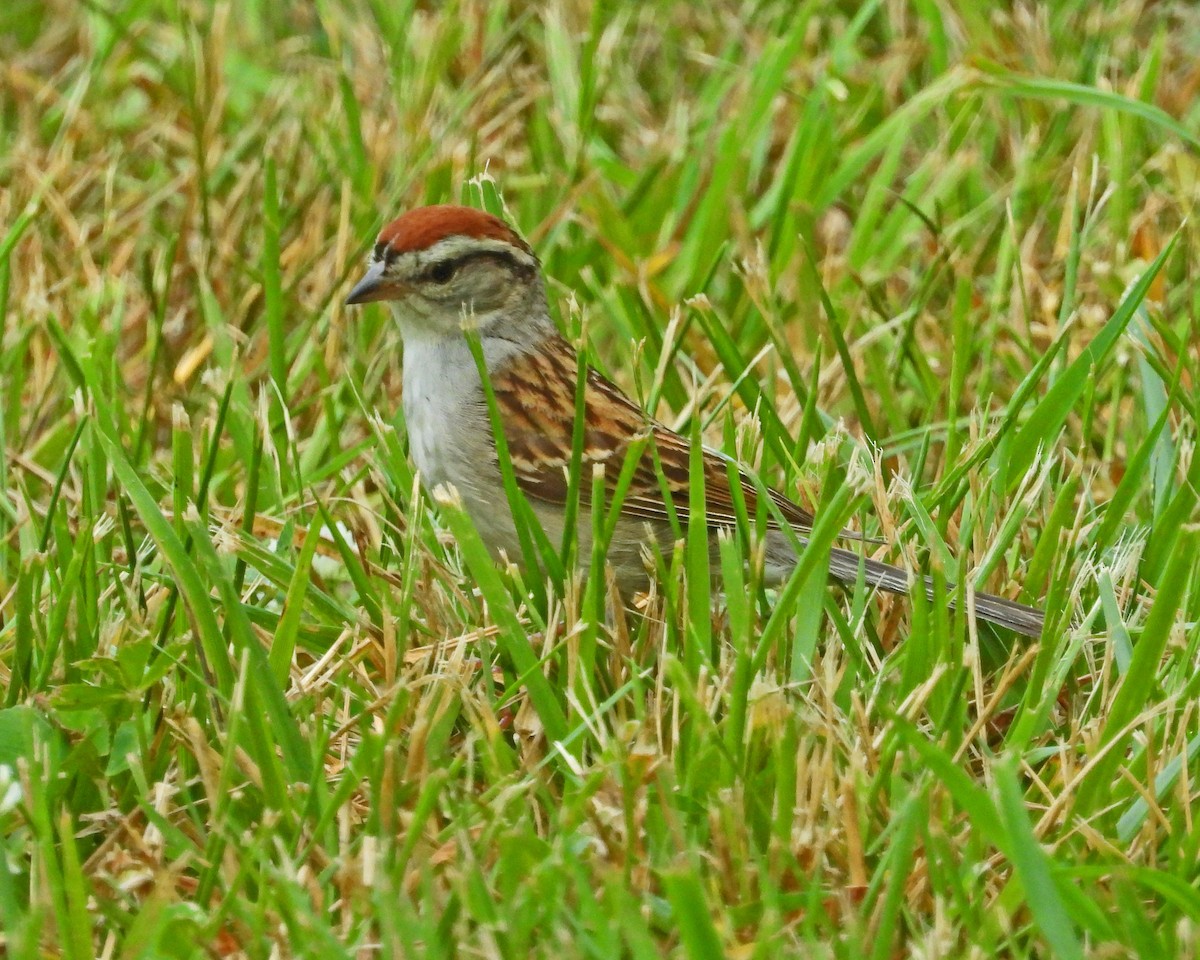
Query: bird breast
x,y
450,433
443,403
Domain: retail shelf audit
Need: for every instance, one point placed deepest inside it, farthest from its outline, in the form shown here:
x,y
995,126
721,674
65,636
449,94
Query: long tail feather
x,y
844,565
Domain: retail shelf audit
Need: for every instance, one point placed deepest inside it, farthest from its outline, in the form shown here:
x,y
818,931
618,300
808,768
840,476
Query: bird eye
x,y
442,271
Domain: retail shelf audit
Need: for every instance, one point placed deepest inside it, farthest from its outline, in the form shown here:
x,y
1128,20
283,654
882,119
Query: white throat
x,y
445,408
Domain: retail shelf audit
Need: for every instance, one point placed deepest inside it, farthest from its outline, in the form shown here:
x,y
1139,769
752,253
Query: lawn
x,y
929,267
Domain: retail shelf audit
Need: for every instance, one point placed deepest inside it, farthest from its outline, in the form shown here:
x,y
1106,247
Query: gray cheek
x,y
484,290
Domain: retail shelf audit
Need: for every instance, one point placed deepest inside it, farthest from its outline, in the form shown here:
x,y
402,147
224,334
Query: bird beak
x,y
371,287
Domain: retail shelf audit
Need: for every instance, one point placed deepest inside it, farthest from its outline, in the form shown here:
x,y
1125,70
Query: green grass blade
x,y
1033,868
1052,410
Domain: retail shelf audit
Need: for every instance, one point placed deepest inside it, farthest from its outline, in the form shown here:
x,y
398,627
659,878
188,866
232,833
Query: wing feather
x,y
536,396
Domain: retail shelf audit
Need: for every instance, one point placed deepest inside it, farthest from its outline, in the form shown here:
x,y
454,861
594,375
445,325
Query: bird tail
x,y
844,566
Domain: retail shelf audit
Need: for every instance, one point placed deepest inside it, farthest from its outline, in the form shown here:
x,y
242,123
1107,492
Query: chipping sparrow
x,y
440,267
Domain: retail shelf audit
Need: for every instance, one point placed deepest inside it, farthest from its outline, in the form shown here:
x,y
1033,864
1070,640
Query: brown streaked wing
x,y
536,396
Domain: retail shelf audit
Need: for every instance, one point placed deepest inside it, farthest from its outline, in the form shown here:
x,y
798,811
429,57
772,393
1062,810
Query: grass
x,y
930,268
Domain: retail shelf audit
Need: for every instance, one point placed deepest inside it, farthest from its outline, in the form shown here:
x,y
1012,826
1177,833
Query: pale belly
x,y
450,438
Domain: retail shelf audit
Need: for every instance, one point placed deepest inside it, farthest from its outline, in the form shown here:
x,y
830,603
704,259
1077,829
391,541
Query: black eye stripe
x,y
443,271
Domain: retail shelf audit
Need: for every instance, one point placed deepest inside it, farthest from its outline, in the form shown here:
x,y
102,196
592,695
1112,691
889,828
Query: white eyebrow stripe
x,y
451,248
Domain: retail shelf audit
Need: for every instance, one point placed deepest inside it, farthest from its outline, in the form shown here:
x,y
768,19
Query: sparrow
x,y
450,271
